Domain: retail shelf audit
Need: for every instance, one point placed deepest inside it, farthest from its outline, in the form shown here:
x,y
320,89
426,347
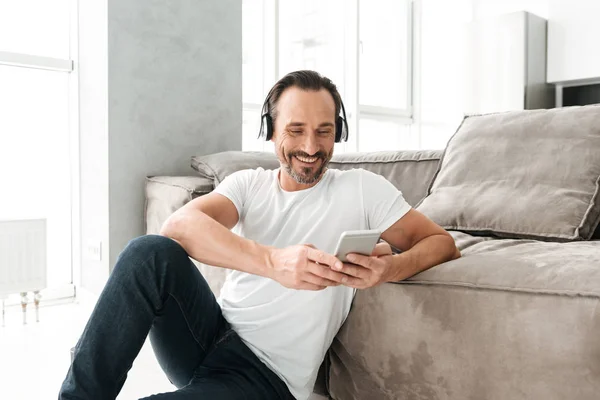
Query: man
x,y
286,296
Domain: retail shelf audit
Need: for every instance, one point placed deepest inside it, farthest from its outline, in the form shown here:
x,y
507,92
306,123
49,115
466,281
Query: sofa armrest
x,y
166,194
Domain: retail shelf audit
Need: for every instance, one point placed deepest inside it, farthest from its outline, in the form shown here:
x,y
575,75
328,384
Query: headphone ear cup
x,y
341,133
267,127
339,127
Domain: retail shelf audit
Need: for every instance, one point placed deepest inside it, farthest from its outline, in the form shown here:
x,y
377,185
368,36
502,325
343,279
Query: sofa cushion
x,y
219,166
409,171
525,174
520,265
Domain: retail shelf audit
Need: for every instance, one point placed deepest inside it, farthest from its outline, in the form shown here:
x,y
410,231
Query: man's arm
x,y
202,228
424,244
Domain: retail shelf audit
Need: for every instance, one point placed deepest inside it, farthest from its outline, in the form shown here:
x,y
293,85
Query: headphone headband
x,y
266,122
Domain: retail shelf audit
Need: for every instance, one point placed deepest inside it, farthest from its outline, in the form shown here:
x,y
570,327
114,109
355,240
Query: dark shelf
x,y
581,95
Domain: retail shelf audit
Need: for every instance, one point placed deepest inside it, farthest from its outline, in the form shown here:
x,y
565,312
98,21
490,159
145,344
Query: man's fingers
x,y
382,249
359,259
309,286
321,257
325,272
355,283
318,280
356,271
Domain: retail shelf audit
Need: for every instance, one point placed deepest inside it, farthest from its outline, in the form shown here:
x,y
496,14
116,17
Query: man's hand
x,y
304,267
368,271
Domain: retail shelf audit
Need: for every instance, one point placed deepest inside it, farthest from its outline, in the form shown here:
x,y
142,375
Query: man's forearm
x,y
429,252
209,242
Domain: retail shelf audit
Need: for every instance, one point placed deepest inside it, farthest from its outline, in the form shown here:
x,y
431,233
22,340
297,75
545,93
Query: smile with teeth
x,y
307,160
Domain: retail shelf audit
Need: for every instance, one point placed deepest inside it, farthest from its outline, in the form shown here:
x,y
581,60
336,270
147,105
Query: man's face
x,y
304,133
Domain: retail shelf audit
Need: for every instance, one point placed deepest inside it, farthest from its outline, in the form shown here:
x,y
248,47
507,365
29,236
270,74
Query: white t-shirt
x,y
290,330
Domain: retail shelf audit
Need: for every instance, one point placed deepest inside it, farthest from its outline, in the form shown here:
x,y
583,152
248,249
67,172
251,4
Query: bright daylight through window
x,y
342,40
35,137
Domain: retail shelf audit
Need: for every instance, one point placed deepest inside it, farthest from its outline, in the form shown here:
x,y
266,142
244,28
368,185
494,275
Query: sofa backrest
x,y
410,171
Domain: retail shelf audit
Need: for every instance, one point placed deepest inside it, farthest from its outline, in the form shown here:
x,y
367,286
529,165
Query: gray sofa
x,y
518,316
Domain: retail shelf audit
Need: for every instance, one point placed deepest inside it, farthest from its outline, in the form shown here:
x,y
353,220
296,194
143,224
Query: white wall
x,y
438,87
93,142
160,82
486,8
573,33
573,40
440,80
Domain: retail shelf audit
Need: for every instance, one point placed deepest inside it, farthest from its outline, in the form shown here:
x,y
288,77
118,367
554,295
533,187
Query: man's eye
x,y
296,132
323,133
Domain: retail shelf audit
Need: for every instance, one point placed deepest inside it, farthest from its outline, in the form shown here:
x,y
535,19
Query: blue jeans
x,y
155,289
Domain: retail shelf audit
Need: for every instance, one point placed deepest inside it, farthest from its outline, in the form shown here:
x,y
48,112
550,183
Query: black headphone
x,y
266,123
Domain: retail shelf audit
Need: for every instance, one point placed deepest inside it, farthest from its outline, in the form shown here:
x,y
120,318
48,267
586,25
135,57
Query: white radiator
x,y
23,258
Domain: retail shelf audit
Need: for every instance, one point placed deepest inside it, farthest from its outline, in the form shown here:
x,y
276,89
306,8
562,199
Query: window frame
x,y
37,62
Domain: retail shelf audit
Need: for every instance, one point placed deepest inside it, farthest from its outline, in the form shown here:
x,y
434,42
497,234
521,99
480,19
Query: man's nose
x,y
310,145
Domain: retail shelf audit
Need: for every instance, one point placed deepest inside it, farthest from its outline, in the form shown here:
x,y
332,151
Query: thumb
x,y
382,249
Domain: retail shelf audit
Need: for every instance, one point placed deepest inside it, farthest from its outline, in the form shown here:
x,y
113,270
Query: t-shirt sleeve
x,y
383,203
236,187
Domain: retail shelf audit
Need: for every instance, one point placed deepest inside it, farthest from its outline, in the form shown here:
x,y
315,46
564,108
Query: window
x,y
311,36
36,27
36,122
365,47
384,55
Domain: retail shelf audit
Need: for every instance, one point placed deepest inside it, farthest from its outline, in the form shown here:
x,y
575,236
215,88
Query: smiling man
x,y
285,297
303,157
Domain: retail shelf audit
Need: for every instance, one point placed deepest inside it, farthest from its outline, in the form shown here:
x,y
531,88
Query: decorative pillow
x,y
523,174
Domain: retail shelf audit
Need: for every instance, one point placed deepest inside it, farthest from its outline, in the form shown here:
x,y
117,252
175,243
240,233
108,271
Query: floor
x,y
34,358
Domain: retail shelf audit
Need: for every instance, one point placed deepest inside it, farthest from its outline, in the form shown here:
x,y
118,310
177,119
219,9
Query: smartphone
x,y
361,242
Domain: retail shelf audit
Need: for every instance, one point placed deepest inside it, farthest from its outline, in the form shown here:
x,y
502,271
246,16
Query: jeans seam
x,y
187,323
227,333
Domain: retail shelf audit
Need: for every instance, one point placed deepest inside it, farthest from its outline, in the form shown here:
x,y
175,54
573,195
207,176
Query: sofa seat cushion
x,y
520,265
